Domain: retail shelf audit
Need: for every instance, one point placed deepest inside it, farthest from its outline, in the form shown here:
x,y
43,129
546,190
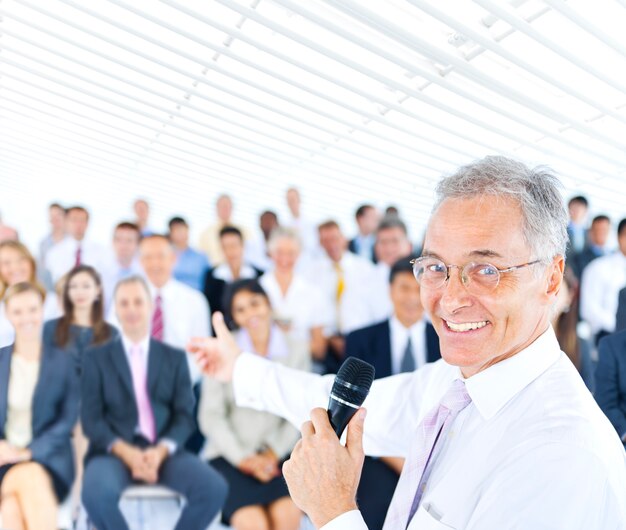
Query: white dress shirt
x,y
601,283
358,303
112,272
531,451
61,258
223,272
185,315
51,309
302,306
399,338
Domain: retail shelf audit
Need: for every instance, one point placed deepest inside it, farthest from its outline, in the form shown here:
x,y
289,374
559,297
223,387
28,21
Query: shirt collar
x,y
128,344
399,326
494,387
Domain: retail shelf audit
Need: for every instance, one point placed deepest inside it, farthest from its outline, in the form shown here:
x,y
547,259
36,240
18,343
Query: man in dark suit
x,y
367,219
234,268
611,380
137,412
402,343
595,247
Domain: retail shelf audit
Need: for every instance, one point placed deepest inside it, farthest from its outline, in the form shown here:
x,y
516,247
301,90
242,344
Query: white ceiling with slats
x,y
350,100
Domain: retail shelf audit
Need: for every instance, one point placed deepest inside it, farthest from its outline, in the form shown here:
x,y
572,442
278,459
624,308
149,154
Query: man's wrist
x,y
322,519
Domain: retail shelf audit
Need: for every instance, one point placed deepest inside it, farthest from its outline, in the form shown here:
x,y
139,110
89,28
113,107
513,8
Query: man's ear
x,y
555,277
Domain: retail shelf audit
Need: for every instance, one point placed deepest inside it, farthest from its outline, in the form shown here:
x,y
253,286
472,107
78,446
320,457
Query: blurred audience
x,y
601,283
344,279
75,249
56,216
38,409
256,249
210,238
306,229
141,443
246,446
367,219
142,215
123,261
82,324
233,268
577,229
191,266
17,265
595,247
298,307
7,233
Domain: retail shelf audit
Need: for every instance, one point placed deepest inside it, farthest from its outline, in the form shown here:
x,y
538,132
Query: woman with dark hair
x,y
246,446
82,324
39,397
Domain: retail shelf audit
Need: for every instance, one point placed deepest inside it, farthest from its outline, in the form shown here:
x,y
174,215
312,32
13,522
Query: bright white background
x,y
349,100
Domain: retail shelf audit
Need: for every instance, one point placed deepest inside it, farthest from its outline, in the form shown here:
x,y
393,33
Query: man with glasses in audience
x,y
501,433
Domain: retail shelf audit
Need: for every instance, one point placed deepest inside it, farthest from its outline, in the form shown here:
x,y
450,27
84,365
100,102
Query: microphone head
x,y
353,381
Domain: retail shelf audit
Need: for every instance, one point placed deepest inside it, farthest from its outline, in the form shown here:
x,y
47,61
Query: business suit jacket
x,y
109,409
620,317
352,247
55,409
373,344
611,379
580,260
214,289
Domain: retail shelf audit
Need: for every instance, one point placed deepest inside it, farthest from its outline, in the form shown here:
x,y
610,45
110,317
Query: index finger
x,y
321,423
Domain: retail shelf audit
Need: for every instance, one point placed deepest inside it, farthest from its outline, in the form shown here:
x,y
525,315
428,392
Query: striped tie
x,y
430,437
157,319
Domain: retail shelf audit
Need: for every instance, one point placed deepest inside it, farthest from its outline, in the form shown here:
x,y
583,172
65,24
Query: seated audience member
x,y
210,238
123,261
137,413
600,286
565,324
17,265
307,231
191,266
142,213
234,267
367,219
257,251
82,324
392,243
56,214
298,307
179,312
39,400
577,225
344,279
597,237
246,446
404,342
75,249
611,381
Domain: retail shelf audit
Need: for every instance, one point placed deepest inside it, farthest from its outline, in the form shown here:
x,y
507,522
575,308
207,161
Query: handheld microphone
x,y
351,386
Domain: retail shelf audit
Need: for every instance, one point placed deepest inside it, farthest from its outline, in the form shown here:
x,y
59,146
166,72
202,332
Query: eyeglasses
x,y
478,278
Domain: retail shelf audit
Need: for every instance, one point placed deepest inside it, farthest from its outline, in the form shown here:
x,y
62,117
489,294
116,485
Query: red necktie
x,y
78,256
157,319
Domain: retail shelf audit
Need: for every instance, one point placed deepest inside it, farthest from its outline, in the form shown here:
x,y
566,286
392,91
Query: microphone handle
x,y
339,415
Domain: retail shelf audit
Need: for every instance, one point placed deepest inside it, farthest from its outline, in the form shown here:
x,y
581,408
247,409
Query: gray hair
x,y
544,216
135,278
282,232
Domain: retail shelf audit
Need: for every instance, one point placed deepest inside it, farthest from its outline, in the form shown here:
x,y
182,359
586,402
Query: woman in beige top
x,y
38,409
248,446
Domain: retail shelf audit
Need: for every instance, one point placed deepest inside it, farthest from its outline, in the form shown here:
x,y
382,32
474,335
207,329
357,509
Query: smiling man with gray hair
x,y
500,434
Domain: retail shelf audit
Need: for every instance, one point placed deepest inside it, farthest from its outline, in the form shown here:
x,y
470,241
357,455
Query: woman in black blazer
x,y
39,395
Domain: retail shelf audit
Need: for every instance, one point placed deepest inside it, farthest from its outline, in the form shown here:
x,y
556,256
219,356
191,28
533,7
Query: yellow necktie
x,y
341,283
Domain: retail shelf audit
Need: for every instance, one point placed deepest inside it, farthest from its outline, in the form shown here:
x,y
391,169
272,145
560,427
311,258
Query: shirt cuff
x,y
171,445
249,376
352,520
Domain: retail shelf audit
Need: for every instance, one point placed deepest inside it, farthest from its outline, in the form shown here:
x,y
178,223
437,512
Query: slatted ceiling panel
x,y
352,101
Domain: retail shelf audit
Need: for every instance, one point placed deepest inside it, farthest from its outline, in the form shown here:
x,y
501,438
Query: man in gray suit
x,y
137,412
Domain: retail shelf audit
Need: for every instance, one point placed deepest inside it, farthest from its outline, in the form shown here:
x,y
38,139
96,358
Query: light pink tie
x,y
157,319
430,437
140,385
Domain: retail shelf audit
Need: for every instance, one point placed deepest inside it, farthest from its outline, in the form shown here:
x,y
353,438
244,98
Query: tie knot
x,y
456,398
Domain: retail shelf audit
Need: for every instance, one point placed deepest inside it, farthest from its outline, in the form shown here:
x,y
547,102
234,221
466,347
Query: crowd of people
x,y
97,391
